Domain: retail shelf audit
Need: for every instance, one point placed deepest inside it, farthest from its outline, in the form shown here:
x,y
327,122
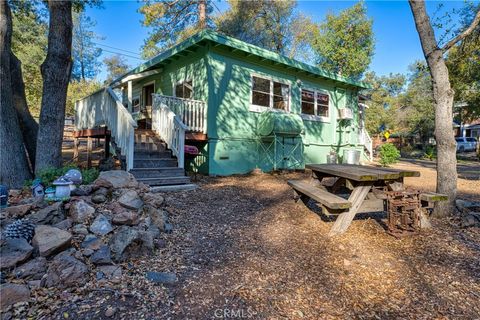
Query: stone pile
x,y
112,220
469,213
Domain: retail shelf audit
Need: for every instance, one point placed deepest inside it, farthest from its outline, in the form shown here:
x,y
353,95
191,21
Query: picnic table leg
x,y
345,219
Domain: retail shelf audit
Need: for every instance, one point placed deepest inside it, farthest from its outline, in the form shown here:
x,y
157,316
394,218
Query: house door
x,y
146,109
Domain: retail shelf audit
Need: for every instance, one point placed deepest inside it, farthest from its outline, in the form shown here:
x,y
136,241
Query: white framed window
x,y
183,89
315,104
269,94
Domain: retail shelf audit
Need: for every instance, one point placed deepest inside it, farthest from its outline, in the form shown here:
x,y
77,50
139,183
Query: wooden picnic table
x,y
367,185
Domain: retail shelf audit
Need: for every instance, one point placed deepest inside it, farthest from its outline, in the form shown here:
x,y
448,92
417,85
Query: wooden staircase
x,y
153,163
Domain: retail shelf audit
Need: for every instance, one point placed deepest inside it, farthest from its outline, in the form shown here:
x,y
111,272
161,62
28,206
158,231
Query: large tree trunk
x,y
56,71
13,161
28,125
443,99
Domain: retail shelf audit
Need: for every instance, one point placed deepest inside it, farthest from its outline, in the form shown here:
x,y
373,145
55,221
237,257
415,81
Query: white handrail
x,y
103,108
191,112
170,128
368,143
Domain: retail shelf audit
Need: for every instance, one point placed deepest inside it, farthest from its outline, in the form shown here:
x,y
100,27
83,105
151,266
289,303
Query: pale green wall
x,y
223,80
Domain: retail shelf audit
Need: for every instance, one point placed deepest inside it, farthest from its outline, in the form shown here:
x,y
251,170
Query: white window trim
x,y
174,84
315,117
257,108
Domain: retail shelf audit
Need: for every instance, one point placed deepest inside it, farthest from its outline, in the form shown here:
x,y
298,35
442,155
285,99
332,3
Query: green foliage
x,y
389,154
170,21
344,43
384,101
85,52
29,44
430,153
50,174
78,90
116,66
273,25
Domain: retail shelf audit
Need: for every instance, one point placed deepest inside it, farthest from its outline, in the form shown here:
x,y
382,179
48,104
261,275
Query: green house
x,y
240,106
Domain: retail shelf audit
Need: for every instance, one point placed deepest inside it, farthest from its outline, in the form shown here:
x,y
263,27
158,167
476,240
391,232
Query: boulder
x,y
50,240
101,226
121,240
82,190
52,214
91,242
130,200
161,277
110,272
18,211
64,224
66,271
13,252
11,293
34,269
80,211
99,198
158,217
80,229
153,199
116,179
101,256
470,220
126,217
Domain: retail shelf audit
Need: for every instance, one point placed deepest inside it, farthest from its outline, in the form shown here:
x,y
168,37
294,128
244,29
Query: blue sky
x,y
397,43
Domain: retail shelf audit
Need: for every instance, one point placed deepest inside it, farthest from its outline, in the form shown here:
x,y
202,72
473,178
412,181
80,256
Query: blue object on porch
x,y
3,196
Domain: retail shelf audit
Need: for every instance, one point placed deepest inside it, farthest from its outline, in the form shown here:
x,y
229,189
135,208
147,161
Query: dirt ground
x,y
242,248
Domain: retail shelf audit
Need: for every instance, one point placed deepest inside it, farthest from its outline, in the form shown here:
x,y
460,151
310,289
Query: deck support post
x,y
89,152
130,95
107,146
75,149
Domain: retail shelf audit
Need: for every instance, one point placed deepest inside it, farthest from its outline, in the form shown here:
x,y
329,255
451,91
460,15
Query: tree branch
x,y
464,34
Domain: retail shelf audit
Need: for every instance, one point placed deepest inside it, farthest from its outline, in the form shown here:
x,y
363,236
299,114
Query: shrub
x,y
388,154
430,153
50,174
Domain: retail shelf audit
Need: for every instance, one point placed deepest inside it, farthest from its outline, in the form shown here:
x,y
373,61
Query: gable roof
x,y
205,36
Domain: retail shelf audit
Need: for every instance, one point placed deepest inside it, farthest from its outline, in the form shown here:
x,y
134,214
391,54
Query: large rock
x,y
470,220
116,179
13,252
161,277
122,238
11,293
82,190
50,215
50,240
18,211
34,269
153,199
64,224
80,211
158,217
126,217
91,242
130,200
101,256
101,226
66,271
109,272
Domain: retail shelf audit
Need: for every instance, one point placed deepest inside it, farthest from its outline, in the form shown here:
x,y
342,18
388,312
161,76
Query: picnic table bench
x,y
367,186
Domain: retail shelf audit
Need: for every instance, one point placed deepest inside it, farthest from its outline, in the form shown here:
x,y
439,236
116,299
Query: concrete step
x,y
157,172
154,163
165,181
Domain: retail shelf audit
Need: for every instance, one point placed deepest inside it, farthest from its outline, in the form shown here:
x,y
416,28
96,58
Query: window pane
x,y
262,85
280,102
281,93
260,99
179,90
322,104
308,108
308,96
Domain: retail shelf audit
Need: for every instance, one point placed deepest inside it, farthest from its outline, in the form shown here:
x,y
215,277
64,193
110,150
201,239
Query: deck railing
x,y
169,127
103,108
367,142
191,112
